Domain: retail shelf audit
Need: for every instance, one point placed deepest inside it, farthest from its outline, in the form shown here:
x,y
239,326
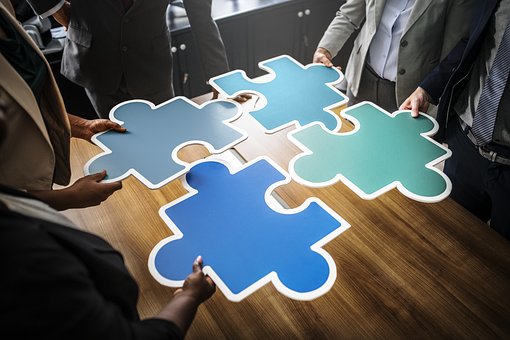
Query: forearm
x,y
207,37
78,124
57,199
180,311
348,19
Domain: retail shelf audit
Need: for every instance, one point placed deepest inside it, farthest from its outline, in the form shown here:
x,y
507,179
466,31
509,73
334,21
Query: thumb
x,y
197,264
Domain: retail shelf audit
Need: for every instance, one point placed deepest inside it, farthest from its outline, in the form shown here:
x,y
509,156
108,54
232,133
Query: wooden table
x,y
405,269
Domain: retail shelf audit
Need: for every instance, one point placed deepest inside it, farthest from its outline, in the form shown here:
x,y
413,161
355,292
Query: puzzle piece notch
x,y
296,94
382,152
252,243
155,134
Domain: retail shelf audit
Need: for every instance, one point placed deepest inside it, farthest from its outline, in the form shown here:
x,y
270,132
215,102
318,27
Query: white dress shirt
x,y
383,52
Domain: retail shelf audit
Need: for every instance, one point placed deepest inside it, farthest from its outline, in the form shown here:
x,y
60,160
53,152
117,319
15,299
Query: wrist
x,y
325,52
186,296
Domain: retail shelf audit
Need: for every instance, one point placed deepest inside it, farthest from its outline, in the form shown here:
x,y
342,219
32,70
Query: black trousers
x,y
479,185
376,90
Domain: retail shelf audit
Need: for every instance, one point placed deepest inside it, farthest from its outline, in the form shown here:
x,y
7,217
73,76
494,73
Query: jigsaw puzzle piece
x,y
244,241
295,94
384,151
148,149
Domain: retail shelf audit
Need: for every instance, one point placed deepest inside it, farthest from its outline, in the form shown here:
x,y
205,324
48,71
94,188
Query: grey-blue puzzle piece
x,y
295,94
148,149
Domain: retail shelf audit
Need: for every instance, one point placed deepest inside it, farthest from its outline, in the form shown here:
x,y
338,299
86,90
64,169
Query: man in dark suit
x,y
472,88
120,49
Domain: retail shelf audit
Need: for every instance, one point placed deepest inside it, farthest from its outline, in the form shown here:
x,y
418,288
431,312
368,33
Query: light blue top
x,y
383,52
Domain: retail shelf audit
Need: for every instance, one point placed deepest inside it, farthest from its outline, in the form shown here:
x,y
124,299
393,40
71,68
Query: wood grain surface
x,y
405,268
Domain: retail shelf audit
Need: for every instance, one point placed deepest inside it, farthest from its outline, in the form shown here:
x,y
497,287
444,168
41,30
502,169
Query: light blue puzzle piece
x,y
148,149
245,237
295,94
384,151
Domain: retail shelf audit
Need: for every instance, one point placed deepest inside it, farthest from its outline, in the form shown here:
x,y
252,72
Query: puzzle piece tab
x,y
148,149
244,241
295,94
382,152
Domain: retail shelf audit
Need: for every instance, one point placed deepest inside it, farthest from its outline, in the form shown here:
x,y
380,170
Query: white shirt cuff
x,y
53,10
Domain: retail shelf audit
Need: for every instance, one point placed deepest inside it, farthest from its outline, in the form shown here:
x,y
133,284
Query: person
x,y
399,42
65,283
120,50
36,154
471,87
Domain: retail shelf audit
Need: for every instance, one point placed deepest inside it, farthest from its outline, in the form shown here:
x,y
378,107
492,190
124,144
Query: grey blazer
x,y
104,43
433,29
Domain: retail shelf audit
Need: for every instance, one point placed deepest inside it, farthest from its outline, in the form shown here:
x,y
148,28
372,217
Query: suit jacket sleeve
x,y
207,37
435,82
348,19
53,295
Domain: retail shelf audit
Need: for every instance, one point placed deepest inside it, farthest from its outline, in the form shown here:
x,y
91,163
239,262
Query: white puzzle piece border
x,y
262,102
174,156
396,184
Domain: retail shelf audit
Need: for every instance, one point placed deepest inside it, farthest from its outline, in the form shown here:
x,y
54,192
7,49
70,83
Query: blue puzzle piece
x,y
295,94
384,151
245,242
148,149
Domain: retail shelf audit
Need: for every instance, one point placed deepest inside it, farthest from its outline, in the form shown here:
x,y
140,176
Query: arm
x,y
207,37
348,19
432,87
434,84
182,308
86,192
69,296
85,129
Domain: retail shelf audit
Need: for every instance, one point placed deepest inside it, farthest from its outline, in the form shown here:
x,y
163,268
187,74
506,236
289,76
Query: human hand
x,y
88,191
197,285
418,101
242,98
85,129
323,56
63,15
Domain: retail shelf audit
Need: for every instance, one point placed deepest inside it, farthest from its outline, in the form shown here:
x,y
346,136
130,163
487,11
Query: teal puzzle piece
x,y
295,94
382,152
148,149
245,236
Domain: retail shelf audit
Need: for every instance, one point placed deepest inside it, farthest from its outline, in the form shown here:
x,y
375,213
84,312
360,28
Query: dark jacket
x,y
446,82
63,283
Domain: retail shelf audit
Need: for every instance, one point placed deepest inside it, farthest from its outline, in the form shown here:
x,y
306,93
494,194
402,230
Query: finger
x,y
326,61
209,281
116,127
114,186
197,264
404,105
178,291
240,99
97,176
415,107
